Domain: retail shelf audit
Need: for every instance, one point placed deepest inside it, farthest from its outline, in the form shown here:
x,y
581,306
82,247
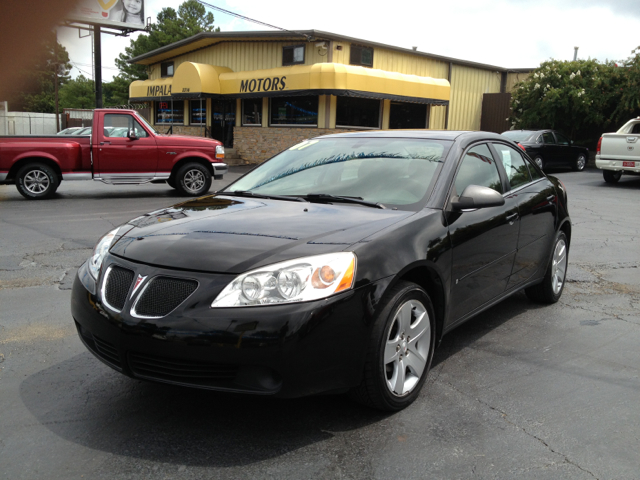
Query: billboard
x,y
119,14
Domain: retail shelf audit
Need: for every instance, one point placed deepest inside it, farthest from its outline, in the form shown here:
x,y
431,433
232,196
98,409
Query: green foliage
x,y
37,91
116,92
190,19
78,93
581,99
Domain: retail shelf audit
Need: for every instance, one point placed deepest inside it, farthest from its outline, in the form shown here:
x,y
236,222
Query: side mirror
x,y
475,196
131,134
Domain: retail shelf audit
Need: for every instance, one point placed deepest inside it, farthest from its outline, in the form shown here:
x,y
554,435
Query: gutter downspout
x,y
446,115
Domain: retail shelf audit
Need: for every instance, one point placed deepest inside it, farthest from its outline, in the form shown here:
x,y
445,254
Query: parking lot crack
x,y
505,416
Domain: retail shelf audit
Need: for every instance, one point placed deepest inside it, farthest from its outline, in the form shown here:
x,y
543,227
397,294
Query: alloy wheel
x,y
406,351
194,180
559,266
36,181
581,162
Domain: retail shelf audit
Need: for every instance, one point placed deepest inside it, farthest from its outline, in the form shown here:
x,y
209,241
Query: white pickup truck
x,y
619,152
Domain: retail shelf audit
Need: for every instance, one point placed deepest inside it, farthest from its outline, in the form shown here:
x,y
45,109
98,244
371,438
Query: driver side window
x,y
478,167
118,125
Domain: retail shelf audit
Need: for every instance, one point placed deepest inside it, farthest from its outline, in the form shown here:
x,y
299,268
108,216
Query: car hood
x,y
186,141
225,234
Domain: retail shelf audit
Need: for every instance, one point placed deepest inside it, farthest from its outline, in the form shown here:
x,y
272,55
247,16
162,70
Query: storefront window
x,y
251,111
170,112
301,110
358,112
407,115
198,112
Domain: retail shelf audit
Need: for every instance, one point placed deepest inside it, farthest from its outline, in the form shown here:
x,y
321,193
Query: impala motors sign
x,y
119,14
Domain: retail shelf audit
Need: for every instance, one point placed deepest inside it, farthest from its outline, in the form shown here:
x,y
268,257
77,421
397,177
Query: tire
x,y
397,365
550,290
611,176
539,161
193,180
37,181
580,163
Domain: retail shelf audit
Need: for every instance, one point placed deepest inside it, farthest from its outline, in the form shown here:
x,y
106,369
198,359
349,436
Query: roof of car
x,y
450,135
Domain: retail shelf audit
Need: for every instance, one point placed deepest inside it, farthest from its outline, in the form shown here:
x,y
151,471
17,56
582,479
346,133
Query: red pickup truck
x,y
122,149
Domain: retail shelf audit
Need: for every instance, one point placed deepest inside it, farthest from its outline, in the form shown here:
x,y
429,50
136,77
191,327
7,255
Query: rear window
x,y
518,135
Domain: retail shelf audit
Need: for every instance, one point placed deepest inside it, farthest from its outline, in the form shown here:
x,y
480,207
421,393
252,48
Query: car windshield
x,y
388,171
518,135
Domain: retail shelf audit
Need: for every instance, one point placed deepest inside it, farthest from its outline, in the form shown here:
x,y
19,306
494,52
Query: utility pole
x,y
98,65
56,65
575,53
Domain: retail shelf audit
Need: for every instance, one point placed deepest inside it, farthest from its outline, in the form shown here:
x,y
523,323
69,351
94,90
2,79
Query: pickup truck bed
x,y
620,152
37,165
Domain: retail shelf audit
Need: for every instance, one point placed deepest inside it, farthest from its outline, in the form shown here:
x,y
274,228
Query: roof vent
x,y
415,48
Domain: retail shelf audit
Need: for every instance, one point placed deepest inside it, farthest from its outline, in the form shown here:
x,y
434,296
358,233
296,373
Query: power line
x,y
242,17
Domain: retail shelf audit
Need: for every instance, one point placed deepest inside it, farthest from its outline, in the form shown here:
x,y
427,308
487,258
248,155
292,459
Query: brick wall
x,y
256,144
183,130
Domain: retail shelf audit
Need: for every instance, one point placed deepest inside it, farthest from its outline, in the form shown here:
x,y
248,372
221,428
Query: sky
x,y
504,33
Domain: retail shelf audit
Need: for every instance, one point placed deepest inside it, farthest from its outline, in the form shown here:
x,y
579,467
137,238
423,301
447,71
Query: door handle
x,y
102,143
551,198
512,218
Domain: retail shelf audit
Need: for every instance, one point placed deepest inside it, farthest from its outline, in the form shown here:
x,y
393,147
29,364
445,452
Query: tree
x,y
190,19
116,92
574,97
628,105
37,90
78,93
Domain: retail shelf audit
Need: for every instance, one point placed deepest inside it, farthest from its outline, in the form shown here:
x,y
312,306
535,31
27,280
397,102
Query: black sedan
x,y
549,148
336,266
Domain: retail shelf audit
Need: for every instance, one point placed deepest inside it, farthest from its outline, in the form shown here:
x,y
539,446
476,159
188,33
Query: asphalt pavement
x,y
522,391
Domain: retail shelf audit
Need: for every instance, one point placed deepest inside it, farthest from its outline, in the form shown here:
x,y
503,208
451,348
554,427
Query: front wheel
x,y
193,180
37,181
581,163
550,290
400,350
539,161
611,176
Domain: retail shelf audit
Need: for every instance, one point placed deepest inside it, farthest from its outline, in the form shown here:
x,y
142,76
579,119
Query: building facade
x,y
262,92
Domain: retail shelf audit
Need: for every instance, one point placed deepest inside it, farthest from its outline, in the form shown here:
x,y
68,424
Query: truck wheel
x,y
610,176
193,180
581,163
37,181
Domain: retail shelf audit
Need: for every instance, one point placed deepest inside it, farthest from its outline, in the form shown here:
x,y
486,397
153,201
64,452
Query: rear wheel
x,y
37,181
193,179
611,176
400,350
581,163
539,161
550,290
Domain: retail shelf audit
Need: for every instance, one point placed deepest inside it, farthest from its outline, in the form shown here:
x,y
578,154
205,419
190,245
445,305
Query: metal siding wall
x,y
436,120
513,78
467,87
409,64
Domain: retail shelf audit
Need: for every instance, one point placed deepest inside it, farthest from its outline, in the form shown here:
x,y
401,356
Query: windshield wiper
x,y
247,193
325,197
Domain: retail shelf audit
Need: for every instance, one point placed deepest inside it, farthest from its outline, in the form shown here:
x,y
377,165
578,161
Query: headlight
x,y
298,280
95,262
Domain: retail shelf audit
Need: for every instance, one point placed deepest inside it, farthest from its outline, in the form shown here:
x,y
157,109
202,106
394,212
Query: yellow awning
x,y
151,89
334,79
193,80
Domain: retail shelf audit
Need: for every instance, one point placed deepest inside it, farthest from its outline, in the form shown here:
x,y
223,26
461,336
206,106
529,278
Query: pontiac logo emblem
x,y
139,281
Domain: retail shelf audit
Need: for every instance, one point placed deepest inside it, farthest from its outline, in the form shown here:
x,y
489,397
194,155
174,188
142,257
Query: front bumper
x,y
220,168
284,350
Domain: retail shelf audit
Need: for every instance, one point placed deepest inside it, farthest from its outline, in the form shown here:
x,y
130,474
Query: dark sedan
x,y
336,266
549,148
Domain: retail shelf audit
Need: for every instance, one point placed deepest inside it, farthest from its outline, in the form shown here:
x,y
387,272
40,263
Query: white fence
x,y
26,123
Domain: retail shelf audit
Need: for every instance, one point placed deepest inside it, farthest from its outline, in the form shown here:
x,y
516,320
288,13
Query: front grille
x,y
117,286
163,295
180,371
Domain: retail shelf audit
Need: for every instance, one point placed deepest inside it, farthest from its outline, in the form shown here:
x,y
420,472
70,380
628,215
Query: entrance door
x,y
223,121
